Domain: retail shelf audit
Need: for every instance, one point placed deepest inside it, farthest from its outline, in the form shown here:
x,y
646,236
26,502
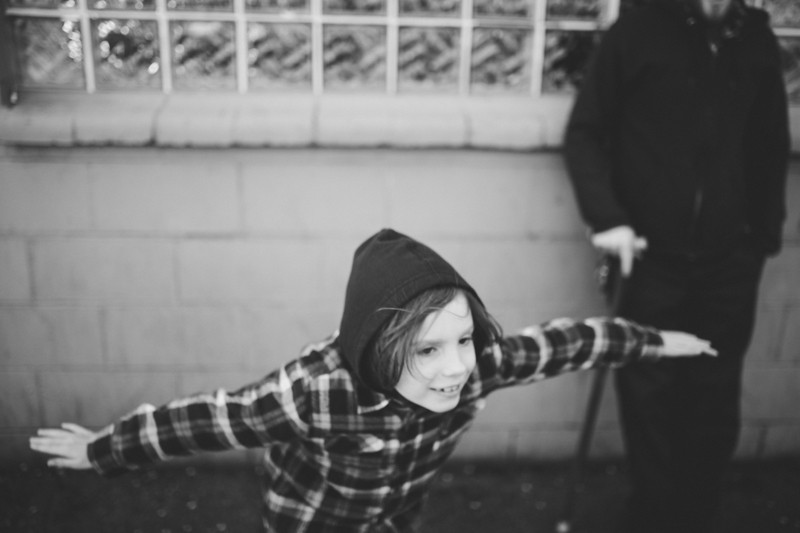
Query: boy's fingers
x,y
75,428
54,433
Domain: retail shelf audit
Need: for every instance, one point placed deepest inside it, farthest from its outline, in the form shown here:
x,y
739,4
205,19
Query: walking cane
x,y
610,280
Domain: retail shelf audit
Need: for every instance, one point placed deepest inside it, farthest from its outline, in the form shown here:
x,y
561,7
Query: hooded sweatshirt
x,y
680,130
389,270
341,456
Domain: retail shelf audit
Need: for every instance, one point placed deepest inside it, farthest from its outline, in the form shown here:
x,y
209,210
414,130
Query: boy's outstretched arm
x,y
68,444
566,345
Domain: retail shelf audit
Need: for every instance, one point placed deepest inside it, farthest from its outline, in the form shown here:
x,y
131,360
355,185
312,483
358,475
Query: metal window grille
x,y
540,46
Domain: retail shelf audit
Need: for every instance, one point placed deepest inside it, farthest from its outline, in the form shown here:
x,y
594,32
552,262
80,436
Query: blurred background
x,y
183,183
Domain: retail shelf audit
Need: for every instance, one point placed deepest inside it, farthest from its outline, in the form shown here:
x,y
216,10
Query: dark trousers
x,y
681,416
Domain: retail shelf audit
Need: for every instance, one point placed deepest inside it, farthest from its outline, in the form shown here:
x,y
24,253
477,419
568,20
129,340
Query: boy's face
x,y
443,358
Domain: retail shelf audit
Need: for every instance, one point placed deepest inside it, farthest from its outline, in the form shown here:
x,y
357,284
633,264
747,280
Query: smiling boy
x,y
357,427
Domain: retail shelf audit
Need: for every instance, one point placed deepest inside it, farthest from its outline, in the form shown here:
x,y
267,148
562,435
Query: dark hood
x,y
389,270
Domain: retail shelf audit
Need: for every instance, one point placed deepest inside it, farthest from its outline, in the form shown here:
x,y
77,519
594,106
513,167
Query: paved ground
x,y
467,498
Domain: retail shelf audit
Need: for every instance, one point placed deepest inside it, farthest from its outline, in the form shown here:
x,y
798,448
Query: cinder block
x,y
513,318
319,197
259,270
380,120
274,336
50,335
184,337
765,344
191,383
781,282
771,393
750,443
516,271
15,283
280,120
484,194
19,400
169,197
204,120
606,444
505,123
789,348
555,400
36,197
98,398
546,444
554,113
477,444
791,228
132,123
40,119
794,126
559,400
782,441
113,269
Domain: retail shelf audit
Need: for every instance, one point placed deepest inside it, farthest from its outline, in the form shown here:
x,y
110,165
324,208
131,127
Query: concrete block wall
x,y
132,275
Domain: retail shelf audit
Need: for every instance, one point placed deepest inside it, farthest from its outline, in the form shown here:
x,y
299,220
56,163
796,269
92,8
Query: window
x,y
523,47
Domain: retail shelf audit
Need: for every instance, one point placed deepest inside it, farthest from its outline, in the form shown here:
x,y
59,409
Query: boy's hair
x,y
393,348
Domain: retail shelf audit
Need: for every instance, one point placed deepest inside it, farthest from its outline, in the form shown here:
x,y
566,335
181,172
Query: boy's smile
x,y
443,358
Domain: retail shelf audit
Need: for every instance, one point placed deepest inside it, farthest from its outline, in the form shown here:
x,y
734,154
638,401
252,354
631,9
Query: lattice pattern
x,y
355,57
501,59
430,7
565,57
49,51
43,4
200,5
433,48
574,9
503,8
204,55
354,6
272,6
428,58
133,5
279,56
126,54
784,12
790,52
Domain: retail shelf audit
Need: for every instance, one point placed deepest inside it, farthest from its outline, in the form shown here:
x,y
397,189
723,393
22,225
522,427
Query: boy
x,y
357,427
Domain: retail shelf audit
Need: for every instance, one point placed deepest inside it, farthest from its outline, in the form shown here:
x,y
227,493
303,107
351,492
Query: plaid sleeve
x,y
272,410
565,345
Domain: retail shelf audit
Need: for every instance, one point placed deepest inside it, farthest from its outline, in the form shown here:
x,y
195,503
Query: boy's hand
x,y
68,444
678,343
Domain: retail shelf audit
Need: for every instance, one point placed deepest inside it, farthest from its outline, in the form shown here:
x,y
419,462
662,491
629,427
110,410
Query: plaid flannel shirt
x,y
340,457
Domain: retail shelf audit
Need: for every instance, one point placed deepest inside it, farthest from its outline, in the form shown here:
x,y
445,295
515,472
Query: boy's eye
x,y
426,351
465,341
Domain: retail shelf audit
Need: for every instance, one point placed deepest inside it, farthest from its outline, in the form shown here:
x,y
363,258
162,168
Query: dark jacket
x,y
686,145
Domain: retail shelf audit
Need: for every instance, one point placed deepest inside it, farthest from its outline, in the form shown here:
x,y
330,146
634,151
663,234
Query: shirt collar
x,y
369,400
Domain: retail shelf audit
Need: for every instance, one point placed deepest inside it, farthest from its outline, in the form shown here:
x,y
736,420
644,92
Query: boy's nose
x,y
454,363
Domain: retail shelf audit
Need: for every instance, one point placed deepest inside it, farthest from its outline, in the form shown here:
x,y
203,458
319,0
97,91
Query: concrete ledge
x,y
203,120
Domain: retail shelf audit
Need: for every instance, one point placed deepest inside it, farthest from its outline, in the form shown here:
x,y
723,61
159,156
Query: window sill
x,y
253,120
202,120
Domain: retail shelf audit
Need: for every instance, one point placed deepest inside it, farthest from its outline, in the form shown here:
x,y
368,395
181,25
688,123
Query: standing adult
x,y
677,148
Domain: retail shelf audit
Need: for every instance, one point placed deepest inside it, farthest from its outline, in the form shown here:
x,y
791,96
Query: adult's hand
x,y
681,344
68,444
621,242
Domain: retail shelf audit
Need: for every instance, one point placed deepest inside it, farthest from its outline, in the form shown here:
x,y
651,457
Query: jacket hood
x,y
389,270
